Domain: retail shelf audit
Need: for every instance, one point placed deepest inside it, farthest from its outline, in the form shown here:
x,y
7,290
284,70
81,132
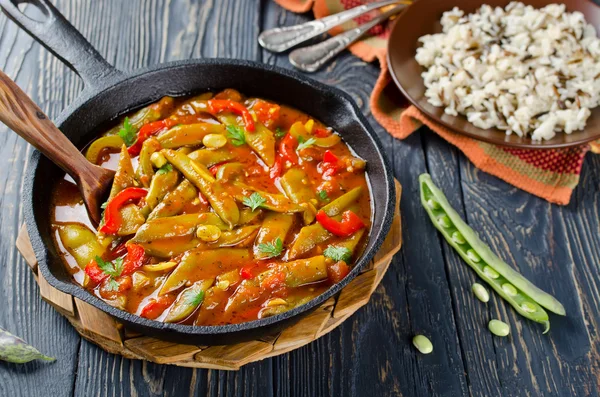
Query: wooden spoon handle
x,y
25,118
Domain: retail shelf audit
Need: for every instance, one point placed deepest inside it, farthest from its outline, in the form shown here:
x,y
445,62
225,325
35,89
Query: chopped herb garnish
x,y
127,133
323,195
305,143
193,299
338,253
113,269
104,205
236,135
164,169
112,285
254,201
279,133
271,249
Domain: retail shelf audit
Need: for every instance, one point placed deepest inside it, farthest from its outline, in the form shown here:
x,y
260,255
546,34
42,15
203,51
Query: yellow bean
x,y
158,159
214,141
159,267
208,233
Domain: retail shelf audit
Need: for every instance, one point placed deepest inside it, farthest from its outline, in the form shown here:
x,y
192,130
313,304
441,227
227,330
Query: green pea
x,y
444,221
458,238
490,272
472,255
509,289
423,344
434,205
480,292
499,328
528,307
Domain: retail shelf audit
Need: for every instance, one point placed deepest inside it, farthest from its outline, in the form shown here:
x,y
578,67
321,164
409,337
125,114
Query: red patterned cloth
x,y
551,174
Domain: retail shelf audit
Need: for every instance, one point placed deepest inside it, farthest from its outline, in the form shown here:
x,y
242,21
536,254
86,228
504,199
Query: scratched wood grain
x,y
426,290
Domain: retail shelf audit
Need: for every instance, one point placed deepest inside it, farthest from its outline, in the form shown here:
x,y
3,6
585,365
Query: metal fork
x,y
284,38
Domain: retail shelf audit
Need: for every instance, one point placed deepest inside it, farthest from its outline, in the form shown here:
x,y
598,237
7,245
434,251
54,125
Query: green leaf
x,y
194,299
14,349
113,269
112,285
279,133
271,249
236,135
305,143
323,195
104,205
254,201
338,253
164,169
127,133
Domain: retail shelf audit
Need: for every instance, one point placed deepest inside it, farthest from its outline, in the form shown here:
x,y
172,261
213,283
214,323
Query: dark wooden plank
x,y
372,353
23,312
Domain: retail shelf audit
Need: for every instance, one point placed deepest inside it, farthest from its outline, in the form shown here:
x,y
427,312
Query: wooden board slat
x,y
59,300
160,351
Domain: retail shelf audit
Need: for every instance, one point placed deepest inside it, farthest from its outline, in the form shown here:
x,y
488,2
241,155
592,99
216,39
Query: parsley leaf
x,y
305,143
113,269
323,195
254,201
236,135
279,133
127,133
104,205
164,169
271,249
338,253
112,285
192,299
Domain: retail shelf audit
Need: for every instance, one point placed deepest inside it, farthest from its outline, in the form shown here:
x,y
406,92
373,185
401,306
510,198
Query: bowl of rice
x,y
522,74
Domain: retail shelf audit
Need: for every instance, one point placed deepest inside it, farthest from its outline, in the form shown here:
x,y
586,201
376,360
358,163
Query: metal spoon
x,y
284,38
25,118
310,59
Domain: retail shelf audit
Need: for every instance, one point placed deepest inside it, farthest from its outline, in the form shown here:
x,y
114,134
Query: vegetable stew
x,y
224,209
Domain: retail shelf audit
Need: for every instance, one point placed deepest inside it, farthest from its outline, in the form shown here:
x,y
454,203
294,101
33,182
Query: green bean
x,y
132,218
215,193
423,344
498,328
261,140
500,276
175,201
235,237
298,130
80,242
273,201
154,112
161,184
480,292
305,271
124,177
275,225
145,170
189,134
230,172
200,264
208,158
296,185
338,205
188,301
176,226
247,216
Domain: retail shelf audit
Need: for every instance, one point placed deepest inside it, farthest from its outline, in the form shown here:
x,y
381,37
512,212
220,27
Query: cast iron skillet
x,y
109,93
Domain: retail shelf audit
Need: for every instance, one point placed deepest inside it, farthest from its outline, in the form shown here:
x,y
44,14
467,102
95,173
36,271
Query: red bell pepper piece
x,y
94,272
287,149
275,171
331,164
155,307
223,105
135,259
337,271
112,217
321,133
145,132
349,224
266,112
246,271
329,157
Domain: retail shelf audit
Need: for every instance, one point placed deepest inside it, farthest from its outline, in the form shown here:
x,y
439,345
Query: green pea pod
x,y
230,172
80,242
223,204
235,237
247,216
210,157
296,185
273,201
124,176
113,142
188,301
299,272
132,218
275,226
170,247
15,350
261,140
189,134
340,204
525,297
175,226
161,184
145,170
291,302
199,264
175,201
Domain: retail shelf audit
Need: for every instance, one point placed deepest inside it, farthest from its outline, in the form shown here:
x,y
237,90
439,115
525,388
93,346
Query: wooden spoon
x,y
25,118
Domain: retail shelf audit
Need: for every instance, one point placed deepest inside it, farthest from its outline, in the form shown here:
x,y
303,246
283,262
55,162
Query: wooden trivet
x,y
101,329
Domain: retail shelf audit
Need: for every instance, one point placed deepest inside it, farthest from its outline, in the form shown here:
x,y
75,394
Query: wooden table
x,y
426,290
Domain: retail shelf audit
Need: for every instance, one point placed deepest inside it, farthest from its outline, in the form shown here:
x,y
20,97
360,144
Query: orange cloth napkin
x,y
551,174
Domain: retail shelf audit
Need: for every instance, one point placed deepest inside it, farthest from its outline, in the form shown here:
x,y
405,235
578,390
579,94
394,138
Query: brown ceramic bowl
x,y
423,17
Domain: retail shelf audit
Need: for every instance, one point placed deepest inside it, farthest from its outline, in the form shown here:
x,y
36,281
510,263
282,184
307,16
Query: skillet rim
x,y
43,255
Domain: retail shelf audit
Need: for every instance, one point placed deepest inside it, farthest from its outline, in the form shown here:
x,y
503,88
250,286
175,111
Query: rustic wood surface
x,y
426,290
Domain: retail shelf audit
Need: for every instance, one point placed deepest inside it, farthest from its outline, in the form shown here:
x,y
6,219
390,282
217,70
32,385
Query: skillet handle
x,y
64,41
